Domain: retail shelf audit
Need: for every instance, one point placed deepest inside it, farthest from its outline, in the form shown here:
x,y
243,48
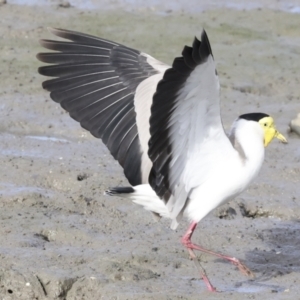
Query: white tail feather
x,y
145,196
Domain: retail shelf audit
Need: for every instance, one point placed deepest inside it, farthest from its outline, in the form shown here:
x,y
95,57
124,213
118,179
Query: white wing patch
x,y
142,104
197,134
156,64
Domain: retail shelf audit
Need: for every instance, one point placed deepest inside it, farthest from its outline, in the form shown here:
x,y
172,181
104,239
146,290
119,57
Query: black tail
x,y
119,190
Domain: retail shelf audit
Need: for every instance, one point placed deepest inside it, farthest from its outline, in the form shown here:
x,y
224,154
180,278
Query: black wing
x,y
95,82
165,100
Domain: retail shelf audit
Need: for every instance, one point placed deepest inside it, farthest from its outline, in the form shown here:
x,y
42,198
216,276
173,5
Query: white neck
x,y
248,139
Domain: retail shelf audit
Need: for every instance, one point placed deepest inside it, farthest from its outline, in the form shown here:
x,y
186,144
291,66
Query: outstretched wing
x,y
186,130
96,81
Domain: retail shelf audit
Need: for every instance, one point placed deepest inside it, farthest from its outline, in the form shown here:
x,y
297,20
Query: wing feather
x,y
96,82
186,126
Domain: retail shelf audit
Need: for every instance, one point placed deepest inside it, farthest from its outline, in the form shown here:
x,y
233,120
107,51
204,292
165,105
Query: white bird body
x,y
231,176
233,172
162,123
209,178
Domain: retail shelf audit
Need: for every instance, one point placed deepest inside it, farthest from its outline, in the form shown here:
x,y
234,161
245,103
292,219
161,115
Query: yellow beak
x,y
281,138
271,133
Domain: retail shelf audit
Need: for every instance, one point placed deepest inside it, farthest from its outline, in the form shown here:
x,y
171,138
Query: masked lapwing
x,y
161,123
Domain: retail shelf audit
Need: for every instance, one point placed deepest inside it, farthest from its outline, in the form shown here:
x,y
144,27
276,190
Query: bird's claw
x,y
243,268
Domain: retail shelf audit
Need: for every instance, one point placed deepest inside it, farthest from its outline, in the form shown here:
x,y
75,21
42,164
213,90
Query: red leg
x,y
209,286
186,241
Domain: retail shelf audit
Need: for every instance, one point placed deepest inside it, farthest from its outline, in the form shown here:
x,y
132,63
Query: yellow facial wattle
x,y
267,123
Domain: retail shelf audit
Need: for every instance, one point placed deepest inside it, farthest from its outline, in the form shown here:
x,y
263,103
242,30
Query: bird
x,y
162,124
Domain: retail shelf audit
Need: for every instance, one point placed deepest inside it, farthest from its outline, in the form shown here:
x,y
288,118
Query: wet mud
x,y
61,238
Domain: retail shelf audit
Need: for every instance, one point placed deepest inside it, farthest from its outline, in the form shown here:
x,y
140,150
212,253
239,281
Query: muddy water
x,y
62,239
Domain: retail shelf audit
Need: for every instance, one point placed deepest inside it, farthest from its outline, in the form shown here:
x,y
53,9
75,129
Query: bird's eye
x,y
265,124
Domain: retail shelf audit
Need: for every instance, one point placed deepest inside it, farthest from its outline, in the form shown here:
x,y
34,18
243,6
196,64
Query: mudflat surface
x,y
61,238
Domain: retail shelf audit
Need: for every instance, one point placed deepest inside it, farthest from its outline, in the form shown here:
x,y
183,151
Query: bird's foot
x,y
186,241
209,286
241,266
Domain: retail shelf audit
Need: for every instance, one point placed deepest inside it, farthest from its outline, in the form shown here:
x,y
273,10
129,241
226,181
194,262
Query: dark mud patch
x,y
283,256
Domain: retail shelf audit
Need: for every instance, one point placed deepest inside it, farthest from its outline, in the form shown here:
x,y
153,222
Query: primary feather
x,y
96,81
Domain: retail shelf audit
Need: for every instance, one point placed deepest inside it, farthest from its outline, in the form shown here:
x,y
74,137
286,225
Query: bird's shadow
x,y
283,256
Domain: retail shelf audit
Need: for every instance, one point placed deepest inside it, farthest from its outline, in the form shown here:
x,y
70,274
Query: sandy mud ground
x,y
60,238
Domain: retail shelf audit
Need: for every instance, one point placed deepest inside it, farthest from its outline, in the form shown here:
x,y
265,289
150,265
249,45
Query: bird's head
x,y
268,126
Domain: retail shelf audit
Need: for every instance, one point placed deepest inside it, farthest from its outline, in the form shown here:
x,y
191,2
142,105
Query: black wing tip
x,y
187,51
65,33
42,58
38,57
57,31
119,190
204,35
42,71
54,31
205,48
195,55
